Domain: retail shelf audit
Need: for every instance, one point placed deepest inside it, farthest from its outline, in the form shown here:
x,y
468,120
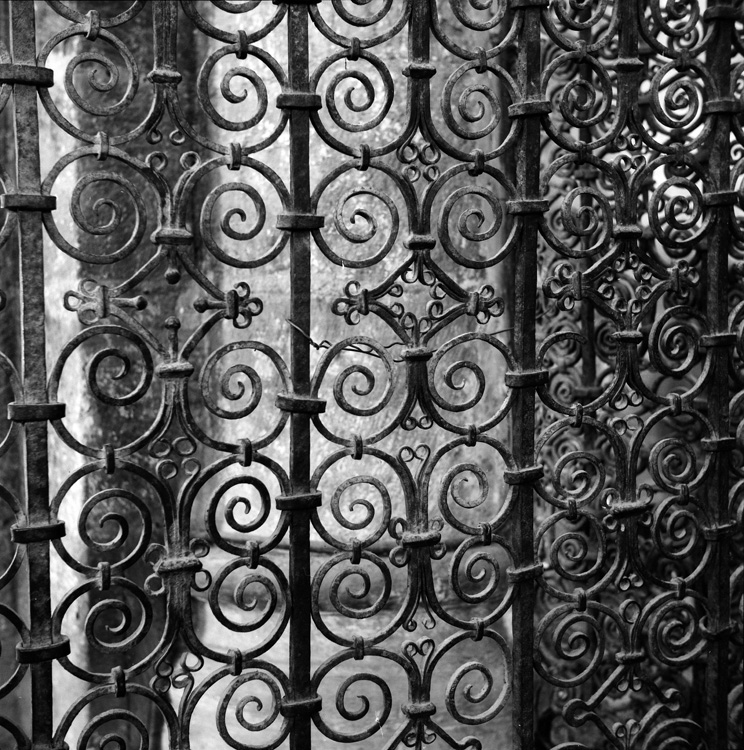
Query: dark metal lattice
x,y
442,332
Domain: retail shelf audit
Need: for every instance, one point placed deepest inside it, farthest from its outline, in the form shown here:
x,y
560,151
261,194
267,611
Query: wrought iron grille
x,y
373,373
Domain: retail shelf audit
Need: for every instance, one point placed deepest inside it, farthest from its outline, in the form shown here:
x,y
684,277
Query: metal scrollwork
x,y
373,373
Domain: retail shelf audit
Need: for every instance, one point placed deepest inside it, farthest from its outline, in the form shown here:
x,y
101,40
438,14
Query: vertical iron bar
x,y
165,42
300,242
523,409
419,69
14,592
34,372
721,15
586,309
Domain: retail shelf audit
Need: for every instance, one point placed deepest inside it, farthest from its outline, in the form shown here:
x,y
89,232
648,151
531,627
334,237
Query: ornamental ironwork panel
x,y
373,373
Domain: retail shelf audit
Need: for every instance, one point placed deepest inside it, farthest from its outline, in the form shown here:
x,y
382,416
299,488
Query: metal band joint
x,y
526,573
299,501
629,64
419,709
178,564
628,509
299,100
628,337
417,354
713,340
630,657
718,444
174,370
28,75
296,404
720,198
35,412
300,706
722,531
726,12
627,231
42,532
299,222
524,476
35,654
28,202
420,538
524,207
530,108
517,4
421,242
171,236
419,70
164,75
527,379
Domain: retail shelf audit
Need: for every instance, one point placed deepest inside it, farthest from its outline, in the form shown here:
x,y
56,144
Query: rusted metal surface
x,y
441,432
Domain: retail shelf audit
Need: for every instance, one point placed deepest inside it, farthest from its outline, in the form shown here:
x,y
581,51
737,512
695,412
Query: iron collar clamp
x,y
164,76
296,404
725,12
417,354
720,198
630,657
718,444
420,538
629,509
714,340
26,75
629,337
299,100
413,710
629,64
296,222
527,475
170,235
526,206
28,202
35,412
721,531
42,532
627,232
717,632
525,573
37,653
290,707
299,501
174,370
178,564
420,243
526,378
420,70
530,108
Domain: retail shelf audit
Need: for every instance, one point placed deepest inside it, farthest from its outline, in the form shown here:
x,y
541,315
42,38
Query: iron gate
x,y
378,372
